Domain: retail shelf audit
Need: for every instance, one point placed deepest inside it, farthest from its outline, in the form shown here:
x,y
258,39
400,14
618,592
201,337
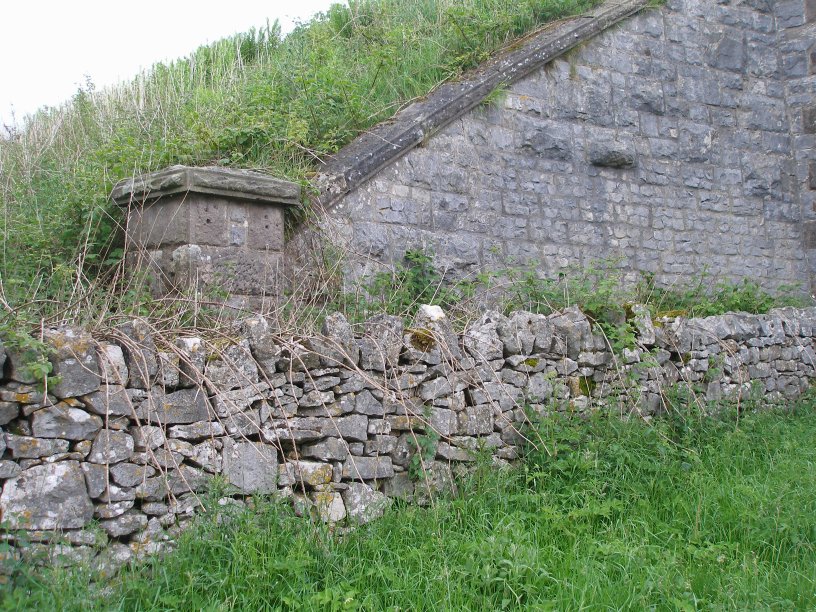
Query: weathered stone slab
x,y
232,368
197,431
50,496
251,466
112,365
74,360
111,447
110,400
8,412
124,525
180,407
353,427
311,473
26,447
140,353
380,345
130,474
326,450
367,468
63,421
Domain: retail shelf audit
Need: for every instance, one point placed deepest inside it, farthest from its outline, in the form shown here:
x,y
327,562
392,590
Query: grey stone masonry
x,y
214,230
681,139
338,439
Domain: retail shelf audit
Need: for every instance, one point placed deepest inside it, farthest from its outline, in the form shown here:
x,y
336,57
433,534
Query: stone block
x,y
367,468
251,466
74,360
52,496
177,408
111,447
63,421
364,504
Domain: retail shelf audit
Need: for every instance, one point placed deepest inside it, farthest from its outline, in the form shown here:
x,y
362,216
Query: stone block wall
x,y
797,43
105,465
676,141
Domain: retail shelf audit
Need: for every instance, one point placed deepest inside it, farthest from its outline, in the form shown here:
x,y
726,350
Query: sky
x,y
48,49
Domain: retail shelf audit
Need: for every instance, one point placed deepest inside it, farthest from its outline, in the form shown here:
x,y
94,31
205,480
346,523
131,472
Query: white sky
x,y
47,47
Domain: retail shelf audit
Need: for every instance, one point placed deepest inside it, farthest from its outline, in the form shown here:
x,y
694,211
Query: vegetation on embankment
x,y
686,513
255,100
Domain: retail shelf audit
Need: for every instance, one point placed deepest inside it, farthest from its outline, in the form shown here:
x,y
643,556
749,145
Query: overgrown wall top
x,y
674,141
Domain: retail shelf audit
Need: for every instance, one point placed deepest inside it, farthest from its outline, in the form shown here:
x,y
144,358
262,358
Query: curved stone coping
x,y
225,182
387,142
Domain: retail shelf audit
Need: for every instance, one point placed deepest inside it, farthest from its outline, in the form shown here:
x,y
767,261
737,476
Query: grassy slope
x,y
683,515
253,100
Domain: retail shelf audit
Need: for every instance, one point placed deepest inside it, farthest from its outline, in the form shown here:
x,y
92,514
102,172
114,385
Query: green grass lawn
x,y
683,514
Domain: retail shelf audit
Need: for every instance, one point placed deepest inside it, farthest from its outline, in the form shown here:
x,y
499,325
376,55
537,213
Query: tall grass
x,y
254,100
687,513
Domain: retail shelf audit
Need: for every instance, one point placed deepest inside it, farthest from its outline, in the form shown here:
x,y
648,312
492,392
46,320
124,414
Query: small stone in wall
x,y
75,362
140,353
191,361
124,525
180,407
112,366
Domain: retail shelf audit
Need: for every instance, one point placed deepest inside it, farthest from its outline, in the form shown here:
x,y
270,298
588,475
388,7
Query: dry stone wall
x,y
108,463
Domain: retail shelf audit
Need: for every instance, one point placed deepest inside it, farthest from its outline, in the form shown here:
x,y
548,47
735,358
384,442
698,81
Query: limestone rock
x,y
74,360
340,344
180,407
233,368
381,343
111,447
26,447
129,474
112,365
192,357
367,468
51,496
110,400
113,509
251,466
352,428
96,478
9,469
8,412
311,473
481,339
326,450
364,504
124,525
366,403
63,421
140,353
329,506
197,431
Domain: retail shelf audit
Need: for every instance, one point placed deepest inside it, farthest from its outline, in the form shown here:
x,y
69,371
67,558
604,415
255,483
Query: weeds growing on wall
x,y
683,514
255,100
603,291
